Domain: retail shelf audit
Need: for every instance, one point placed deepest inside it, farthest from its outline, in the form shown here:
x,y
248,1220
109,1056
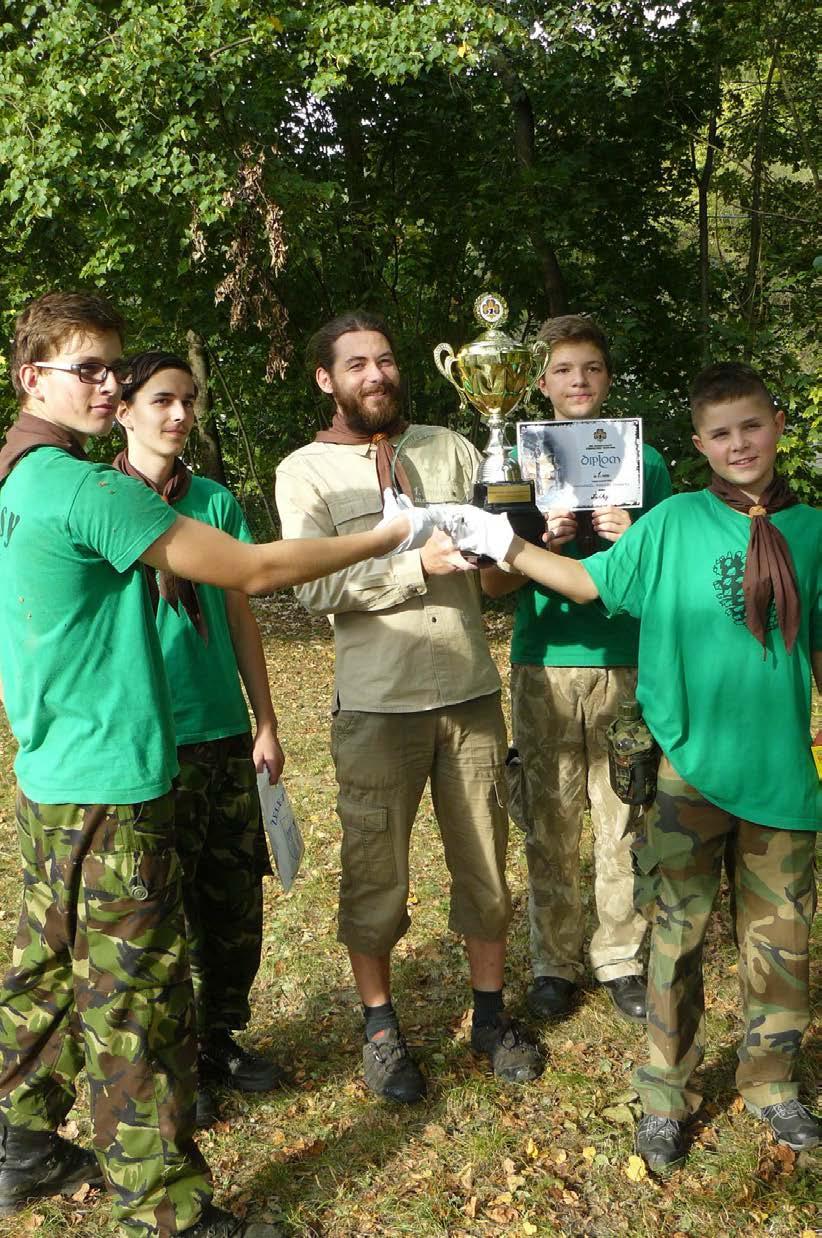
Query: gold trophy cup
x,y
494,374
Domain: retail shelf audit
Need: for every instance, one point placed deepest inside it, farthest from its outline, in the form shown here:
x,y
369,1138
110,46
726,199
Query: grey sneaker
x,y
390,1070
661,1143
513,1057
791,1123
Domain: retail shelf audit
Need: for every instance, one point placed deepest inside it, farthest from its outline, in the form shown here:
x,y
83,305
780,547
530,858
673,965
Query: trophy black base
x,y
516,500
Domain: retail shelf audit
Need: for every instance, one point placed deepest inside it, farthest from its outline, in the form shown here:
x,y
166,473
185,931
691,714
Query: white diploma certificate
x,y
581,465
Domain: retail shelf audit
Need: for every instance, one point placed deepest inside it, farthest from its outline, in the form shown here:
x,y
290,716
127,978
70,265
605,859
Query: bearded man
x,y
417,697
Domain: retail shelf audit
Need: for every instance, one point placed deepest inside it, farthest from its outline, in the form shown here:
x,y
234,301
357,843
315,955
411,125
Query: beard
x,y
371,413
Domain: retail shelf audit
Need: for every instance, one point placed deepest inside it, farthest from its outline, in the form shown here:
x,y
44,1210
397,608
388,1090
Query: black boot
x,y
38,1163
214,1223
223,1061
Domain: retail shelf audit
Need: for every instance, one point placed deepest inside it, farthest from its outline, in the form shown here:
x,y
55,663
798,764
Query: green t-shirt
x,y
207,698
83,677
733,723
550,630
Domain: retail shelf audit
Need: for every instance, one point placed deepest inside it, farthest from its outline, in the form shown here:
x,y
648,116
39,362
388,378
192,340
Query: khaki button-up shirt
x,y
403,642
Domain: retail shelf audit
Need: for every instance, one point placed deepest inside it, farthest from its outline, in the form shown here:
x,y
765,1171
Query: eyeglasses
x,y
91,372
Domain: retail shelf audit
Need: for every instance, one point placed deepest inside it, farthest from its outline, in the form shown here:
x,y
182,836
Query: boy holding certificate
x,y
570,669
726,585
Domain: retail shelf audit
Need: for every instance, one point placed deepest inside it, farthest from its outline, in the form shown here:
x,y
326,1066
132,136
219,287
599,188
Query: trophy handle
x,y
542,352
445,361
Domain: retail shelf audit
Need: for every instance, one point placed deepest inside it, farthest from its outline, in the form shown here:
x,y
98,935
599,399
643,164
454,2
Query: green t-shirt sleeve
x,y
816,618
621,572
116,517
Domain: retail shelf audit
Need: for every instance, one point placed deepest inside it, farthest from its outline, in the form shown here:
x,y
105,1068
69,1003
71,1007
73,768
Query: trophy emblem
x,y
495,374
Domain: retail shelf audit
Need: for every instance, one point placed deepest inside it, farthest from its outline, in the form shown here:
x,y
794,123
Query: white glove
x,y
421,522
473,529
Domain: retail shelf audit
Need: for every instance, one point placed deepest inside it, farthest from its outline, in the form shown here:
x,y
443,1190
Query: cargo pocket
x,y
645,863
367,852
517,790
133,920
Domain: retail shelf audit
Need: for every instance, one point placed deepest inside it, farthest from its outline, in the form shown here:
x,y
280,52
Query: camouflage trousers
x,y
99,978
559,719
679,861
222,848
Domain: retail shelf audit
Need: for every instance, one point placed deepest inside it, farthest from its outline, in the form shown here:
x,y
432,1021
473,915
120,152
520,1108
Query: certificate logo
x,y
600,436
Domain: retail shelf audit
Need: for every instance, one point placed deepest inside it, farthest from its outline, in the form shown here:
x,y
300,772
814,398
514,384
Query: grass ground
x,y
477,1159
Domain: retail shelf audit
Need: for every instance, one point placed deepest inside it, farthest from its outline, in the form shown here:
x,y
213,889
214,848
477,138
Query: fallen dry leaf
x,y
589,1153
80,1194
466,1178
619,1113
635,1170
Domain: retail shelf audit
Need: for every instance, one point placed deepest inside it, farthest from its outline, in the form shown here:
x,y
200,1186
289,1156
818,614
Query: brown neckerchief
x,y
769,569
28,433
390,472
173,589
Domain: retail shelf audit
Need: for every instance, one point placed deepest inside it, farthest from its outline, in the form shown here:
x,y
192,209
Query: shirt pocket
x,y
355,511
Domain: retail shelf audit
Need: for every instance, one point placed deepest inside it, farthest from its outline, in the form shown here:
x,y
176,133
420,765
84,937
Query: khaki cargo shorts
x,y
383,762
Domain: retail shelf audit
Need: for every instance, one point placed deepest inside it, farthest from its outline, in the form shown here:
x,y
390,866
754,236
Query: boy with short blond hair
x,y
726,585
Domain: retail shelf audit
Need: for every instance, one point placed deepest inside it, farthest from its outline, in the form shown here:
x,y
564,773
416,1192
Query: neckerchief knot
x,y
390,473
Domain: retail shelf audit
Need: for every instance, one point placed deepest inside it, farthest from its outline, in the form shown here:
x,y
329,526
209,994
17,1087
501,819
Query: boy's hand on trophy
x,y
419,520
560,527
611,522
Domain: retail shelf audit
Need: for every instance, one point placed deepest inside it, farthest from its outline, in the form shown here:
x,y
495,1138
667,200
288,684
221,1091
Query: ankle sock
x,y
380,1019
488,1006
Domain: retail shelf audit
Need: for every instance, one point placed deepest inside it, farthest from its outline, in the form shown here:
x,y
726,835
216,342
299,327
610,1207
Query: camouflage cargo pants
x,y
679,861
223,853
559,719
99,978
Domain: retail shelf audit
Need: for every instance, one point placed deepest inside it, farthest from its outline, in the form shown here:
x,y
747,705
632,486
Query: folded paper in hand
x,y
282,829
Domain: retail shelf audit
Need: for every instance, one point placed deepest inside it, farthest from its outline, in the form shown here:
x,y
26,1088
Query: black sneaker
x,y
214,1223
661,1143
628,995
224,1061
34,1164
551,997
791,1123
513,1057
390,1070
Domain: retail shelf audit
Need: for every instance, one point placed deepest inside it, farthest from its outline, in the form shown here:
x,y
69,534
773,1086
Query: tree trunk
x,y
749,307
702,176
525,147
211,454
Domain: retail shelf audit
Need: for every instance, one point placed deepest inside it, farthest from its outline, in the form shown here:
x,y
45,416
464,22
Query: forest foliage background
x,y
234,172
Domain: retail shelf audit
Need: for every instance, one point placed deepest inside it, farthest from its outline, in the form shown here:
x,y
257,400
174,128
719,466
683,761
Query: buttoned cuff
x,y
408,573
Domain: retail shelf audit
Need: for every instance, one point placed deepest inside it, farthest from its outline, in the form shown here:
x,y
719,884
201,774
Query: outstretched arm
x,y
566,576
204,554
